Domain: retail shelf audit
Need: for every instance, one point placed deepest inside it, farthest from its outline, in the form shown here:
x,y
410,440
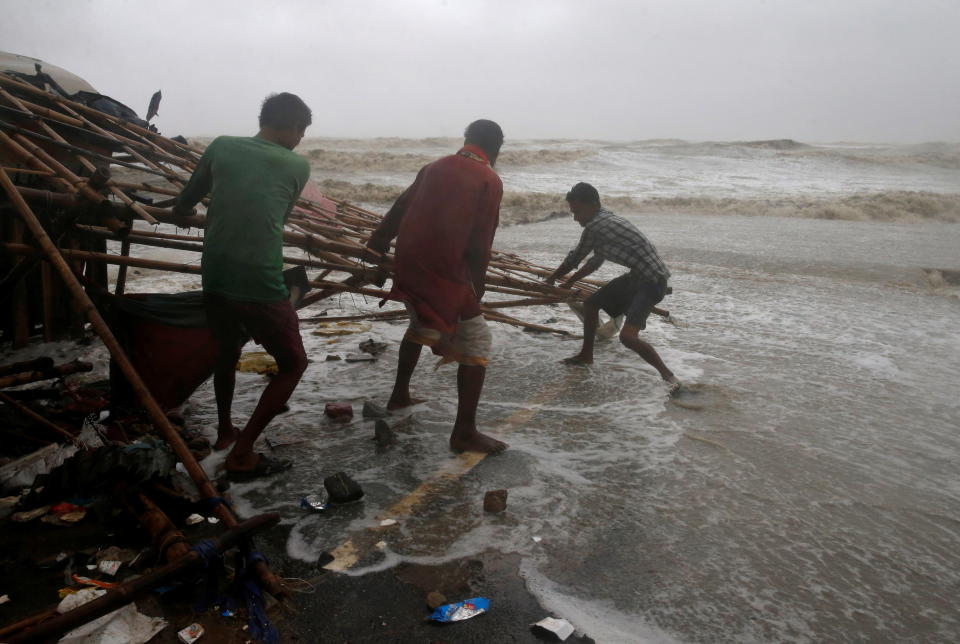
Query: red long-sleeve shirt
x,y
444,224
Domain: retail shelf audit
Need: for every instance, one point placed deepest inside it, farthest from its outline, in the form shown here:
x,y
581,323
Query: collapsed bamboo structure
x,y
73,179
112,178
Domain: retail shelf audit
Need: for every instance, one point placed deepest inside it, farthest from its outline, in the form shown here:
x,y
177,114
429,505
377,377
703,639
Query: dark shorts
x,y
272,324
630,296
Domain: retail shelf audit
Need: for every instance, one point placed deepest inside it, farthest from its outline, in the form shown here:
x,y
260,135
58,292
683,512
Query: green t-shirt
x,y
253,184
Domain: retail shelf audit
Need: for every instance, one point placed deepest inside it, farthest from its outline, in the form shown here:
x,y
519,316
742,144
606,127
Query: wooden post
x,y
21,304
122,271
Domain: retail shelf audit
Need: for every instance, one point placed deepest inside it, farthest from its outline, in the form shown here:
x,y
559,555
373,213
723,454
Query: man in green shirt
x,y
253,183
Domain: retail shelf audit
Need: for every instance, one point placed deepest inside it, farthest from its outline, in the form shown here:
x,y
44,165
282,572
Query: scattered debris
x,y
194,519
373,348
315,502
373,410
495,501
30,515
109,567
257,362
436,599
4,599
341,411
190,634
537,539
73,517
341,328
333,357
461,610
360,357
383,434
388,522
342,488
560,629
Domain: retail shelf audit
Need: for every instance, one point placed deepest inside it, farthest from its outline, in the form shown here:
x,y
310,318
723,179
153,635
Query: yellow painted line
x,y
346,555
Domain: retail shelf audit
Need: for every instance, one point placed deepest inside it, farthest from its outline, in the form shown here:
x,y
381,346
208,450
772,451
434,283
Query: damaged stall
x,y
85,184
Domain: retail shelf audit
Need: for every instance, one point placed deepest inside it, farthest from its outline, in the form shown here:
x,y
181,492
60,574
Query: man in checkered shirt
x,y
634,293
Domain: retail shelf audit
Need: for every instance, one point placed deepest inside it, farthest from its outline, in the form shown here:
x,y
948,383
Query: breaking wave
x,y
332,159
529,207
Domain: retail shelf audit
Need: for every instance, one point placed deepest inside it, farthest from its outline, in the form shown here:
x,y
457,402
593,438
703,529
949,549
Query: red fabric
x,y
327,207
172,361
444,224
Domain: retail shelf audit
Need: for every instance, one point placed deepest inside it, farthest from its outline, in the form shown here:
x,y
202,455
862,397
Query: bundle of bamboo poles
x,y
101,173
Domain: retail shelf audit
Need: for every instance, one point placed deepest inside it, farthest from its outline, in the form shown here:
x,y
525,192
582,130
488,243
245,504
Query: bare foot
x,y
226,438
578,360
400,403
476,442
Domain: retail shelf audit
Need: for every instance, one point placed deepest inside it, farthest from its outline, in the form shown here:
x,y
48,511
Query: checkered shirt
x,y
614,238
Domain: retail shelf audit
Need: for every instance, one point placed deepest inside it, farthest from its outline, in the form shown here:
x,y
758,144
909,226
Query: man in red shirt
x,y
444,224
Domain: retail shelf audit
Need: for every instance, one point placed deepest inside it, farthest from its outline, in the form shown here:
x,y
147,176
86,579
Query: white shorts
x,y
471,341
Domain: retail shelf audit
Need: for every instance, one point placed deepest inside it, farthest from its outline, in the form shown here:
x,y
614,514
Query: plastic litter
x,y
257,362
125,625
194,519
4,599
315,502
190,634
559,628
461,610
109,567
388,522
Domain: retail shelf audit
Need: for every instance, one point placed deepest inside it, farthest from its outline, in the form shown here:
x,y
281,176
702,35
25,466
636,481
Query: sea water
x,y
803,489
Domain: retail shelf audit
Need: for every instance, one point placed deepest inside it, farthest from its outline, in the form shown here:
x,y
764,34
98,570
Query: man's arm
x,y
576,256
588,268
198,186
381,237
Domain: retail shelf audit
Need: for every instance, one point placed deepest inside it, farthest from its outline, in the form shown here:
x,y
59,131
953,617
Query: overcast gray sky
x,y
812,70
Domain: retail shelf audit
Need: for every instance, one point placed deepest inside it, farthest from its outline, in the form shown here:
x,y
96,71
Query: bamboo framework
x,y
101,174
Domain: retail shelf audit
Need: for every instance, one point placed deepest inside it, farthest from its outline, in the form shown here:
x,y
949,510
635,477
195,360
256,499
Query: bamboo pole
x,y
86,163
38,419
10,81
48,285
122,271
88,255
21,305
27,377
160,420
37,364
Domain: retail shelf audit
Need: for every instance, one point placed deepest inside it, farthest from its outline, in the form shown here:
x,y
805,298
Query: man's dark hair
x,y
584,193
285,111
486,134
